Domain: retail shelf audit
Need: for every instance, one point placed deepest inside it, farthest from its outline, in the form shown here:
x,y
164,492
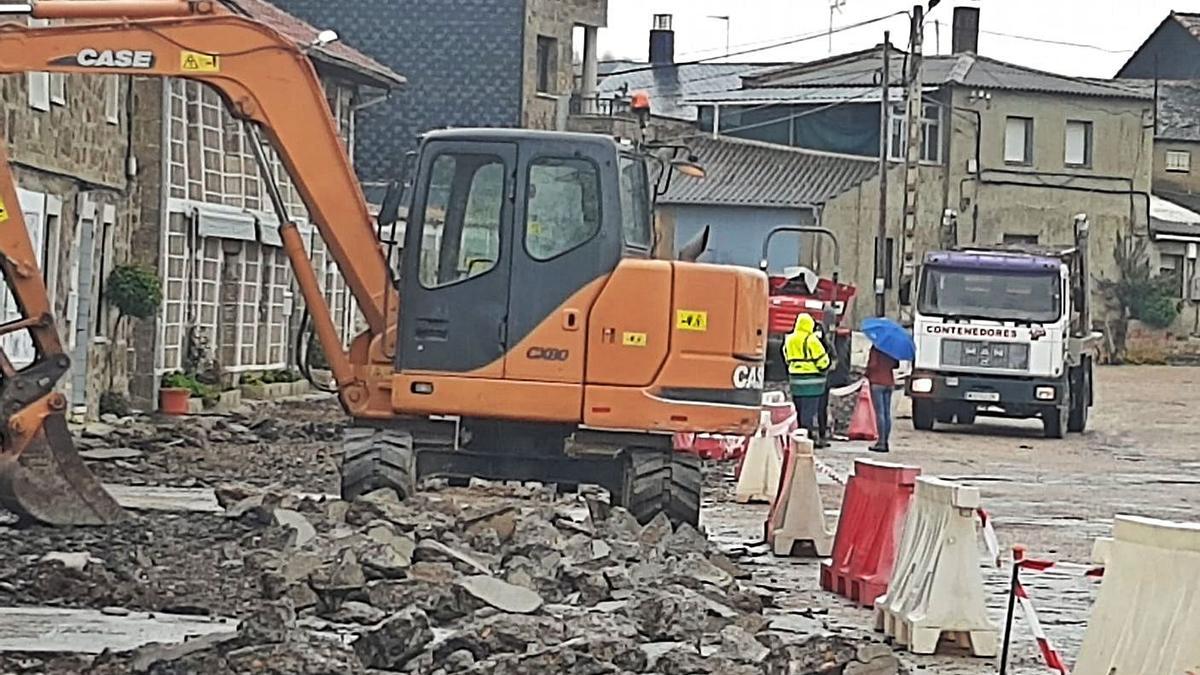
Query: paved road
x,y
1140,455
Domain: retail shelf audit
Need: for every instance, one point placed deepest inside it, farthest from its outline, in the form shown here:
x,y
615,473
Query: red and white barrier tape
x,y
829,472
1050,655
989,536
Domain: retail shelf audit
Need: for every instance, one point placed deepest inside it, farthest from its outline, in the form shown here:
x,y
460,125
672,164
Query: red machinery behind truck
x,y
798,291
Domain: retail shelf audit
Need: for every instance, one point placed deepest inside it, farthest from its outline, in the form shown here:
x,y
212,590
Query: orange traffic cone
x,y
862,422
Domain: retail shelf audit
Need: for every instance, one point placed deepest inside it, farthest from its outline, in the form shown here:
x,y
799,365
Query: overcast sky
x,y
1112,28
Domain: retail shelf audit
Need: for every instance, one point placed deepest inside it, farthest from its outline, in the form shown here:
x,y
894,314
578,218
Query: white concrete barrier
x,y
937,586
797,518
1147,616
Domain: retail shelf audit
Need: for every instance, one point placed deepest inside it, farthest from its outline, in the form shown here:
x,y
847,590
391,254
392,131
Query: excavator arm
x,y
268,82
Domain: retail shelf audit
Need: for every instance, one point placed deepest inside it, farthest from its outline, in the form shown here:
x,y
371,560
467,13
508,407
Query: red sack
x,y
862,422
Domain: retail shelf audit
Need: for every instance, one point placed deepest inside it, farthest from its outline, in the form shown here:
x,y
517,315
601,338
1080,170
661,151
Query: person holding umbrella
x,y
890,344
807,363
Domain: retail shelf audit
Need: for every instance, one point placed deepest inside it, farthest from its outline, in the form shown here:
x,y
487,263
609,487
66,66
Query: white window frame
x,y
1026,125
1178,161
38,83
898,133
1085,127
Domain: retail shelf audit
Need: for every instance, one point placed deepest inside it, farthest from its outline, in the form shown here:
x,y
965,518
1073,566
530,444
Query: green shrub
x,y
134,290
197,389
1157,310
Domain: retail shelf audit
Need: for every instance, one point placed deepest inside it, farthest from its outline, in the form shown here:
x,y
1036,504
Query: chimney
x,y
966,30
662,40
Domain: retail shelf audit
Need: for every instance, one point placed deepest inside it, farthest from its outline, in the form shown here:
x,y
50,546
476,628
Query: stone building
x,y
68,140
492,63
205,224
1014,152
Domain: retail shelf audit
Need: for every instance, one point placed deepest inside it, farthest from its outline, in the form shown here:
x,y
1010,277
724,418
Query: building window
x,y
931,134
1078,144
38,83
1018,140
887,273
1179,161
547,65
1020,240
112,99
1170,268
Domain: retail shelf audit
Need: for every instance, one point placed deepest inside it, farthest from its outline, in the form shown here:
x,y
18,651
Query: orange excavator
x,y
529,333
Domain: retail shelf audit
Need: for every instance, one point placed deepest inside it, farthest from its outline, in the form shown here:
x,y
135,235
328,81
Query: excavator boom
x,y
269,83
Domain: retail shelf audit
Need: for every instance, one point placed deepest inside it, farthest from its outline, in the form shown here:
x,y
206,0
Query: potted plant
x,y
174,393
135,292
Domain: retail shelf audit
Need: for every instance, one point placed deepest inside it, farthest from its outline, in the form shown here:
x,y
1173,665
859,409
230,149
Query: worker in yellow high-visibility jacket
x,y
807,362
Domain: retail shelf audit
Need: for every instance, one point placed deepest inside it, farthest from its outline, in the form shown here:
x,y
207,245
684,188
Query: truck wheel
x,y
1055,420
923,414
943,413
377,458
657,481
966,415
1081,397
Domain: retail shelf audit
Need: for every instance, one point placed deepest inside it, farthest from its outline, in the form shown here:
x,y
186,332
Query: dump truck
x,y
529,333
1005,331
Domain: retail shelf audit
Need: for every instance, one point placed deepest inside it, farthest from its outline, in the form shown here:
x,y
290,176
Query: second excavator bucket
x,y
49,483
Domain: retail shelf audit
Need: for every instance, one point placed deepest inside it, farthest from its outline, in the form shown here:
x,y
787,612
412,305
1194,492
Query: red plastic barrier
x,y
874,507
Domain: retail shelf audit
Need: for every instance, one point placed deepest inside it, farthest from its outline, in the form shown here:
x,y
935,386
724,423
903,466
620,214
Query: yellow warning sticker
x,y
3,211
634,339
196,62
687,319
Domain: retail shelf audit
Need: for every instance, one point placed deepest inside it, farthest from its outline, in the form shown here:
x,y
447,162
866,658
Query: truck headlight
x,y
922,385
1044,393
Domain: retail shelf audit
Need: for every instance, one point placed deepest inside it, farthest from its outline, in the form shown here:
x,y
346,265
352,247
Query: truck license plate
x,y
983,396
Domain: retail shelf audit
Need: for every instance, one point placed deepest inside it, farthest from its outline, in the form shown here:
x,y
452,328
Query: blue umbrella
x,y
890,338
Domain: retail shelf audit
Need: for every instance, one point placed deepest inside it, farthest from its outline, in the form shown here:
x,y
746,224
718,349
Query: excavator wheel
x,y
50,484
377,458
656,481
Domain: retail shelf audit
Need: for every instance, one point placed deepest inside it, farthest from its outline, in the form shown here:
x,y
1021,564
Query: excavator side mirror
x,y
691,251
389,211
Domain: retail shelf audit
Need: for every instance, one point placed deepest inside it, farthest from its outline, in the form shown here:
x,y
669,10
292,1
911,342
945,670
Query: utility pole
x,y
912,163
885,109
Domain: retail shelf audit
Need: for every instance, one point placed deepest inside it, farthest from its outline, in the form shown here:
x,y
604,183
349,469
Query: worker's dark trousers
x,y
823,416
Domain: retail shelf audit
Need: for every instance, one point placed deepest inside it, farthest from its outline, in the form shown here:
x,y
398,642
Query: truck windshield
x,y
991,294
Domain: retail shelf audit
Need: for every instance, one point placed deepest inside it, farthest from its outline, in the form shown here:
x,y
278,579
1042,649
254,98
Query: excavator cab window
x,y
635,205
563,209
461,235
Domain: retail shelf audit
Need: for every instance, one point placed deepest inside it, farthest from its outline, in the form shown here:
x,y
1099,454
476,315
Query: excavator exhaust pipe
x,y
48,482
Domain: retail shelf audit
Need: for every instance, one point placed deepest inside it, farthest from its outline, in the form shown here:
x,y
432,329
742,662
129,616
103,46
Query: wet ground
x,y
1140,455
1055,497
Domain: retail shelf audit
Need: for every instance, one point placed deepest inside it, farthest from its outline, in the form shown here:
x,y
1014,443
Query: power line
x,y
1060,43
776,45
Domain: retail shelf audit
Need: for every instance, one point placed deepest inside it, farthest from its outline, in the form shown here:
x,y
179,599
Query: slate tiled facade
x,y
468,63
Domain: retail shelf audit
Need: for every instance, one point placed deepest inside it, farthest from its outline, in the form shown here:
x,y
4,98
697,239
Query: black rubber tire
x,y
1055,421
657,481
685,488
944,413
923,414
1081,397
644,477
965,415
377,458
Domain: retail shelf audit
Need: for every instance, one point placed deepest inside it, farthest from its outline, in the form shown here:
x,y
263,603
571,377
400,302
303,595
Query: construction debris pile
x,y
476,581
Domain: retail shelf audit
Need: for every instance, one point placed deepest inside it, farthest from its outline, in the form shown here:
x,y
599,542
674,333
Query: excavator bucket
x,y
50,484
